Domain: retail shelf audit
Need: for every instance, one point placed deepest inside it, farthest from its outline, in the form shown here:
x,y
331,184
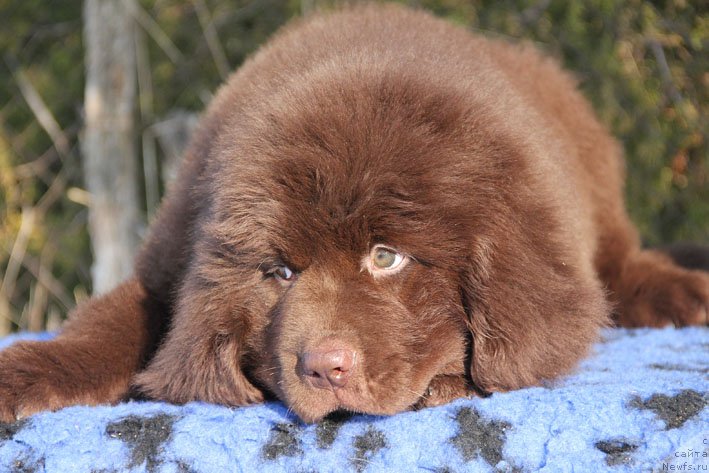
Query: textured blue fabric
x,y
639,403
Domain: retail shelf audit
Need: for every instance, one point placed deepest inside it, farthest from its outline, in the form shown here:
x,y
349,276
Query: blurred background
x,y
98,98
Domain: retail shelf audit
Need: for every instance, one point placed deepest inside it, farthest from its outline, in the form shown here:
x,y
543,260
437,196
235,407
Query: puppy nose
x,y
328,369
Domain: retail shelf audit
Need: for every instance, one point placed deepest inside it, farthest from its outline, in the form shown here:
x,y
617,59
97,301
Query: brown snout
x,y
328,367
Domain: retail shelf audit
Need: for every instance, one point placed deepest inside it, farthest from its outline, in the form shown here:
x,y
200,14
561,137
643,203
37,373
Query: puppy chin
x,y
312,404
314,409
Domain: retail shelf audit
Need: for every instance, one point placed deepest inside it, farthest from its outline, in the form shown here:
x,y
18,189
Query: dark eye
x,y
283,273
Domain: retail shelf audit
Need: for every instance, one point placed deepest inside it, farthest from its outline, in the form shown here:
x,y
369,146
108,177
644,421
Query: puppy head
x,y
342,219
362,240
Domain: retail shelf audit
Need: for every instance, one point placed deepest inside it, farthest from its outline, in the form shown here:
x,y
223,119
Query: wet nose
x,y
328,368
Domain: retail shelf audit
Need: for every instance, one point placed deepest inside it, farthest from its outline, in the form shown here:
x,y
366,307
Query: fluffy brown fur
x,y
475,161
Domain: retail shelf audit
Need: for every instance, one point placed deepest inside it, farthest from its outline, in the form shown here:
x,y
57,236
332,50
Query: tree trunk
x,y
109,151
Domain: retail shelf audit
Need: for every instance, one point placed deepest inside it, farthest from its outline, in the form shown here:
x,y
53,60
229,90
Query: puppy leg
x,y
92,361
651,290
647,287
443,389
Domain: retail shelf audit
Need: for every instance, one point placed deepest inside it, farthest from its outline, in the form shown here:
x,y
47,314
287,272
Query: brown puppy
x,y
379,211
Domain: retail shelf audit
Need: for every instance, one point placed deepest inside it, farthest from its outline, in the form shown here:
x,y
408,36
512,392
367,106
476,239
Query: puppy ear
x,y
531,312
202,354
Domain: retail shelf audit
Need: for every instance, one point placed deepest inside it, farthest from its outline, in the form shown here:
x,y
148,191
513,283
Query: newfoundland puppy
x,y
380,211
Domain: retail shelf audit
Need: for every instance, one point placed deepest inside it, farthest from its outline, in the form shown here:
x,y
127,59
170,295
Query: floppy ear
x,y
531,312
202,354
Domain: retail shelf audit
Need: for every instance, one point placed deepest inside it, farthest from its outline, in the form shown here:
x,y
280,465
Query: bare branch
x,y
154,30
145,100
665,72
55,191
37,167
14,264
37,307
210,34
45,277
39,108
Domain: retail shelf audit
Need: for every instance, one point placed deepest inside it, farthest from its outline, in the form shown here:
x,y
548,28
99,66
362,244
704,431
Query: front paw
x,y
18,375
657,295
35,377
444,389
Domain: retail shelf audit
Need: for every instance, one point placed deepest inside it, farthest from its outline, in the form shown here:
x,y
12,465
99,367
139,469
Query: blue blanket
x,y
639,403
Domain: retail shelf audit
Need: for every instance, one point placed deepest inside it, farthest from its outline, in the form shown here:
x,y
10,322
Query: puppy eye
x,y
384,260
282,273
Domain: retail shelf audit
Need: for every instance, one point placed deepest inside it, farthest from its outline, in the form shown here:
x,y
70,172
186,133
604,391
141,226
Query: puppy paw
x,y
657,293
18,376
444,389
40,376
